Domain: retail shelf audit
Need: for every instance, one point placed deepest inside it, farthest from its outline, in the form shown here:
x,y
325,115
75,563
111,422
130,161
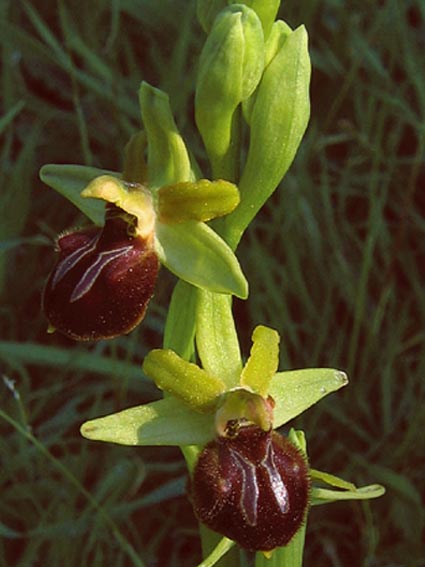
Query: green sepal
x,y
230,68
179,332
70,180
184,380
295,391
196,254
168,158
278,121
216,337
201,200
165,422
263,362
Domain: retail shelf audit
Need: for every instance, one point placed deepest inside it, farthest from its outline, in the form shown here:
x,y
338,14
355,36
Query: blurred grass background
x,y
335,262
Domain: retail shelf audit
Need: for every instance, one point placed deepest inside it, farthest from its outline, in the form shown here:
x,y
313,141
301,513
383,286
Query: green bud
x,y
279,32
278,122
185,380
168,158
231,65
202,200
266,10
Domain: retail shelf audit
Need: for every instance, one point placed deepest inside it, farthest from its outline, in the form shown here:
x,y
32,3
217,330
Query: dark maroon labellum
x,y
253,488
102,282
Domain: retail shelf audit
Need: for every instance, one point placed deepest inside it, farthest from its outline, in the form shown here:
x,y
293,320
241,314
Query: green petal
x,y
185,380
70,180
296,390
168,159
201,200
166,422
263,361
324,495
196,254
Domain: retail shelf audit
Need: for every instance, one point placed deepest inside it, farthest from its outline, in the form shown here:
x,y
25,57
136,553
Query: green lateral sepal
x,y
294,391
70,180
195,253
165,422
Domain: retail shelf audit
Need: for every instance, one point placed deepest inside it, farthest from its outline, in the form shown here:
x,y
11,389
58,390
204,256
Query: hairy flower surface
x,y
253,487
103,280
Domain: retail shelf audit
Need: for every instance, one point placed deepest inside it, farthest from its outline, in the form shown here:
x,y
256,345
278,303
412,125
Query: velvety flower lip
x,y
103,280
252,487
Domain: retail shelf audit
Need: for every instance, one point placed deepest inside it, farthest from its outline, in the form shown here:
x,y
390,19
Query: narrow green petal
x,y
168,159
296,390
185,380
263,361
324,495
196,254
201,200
70,180
166,422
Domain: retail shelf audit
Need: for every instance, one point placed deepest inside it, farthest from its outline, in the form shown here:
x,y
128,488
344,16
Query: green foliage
x,y
334,263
